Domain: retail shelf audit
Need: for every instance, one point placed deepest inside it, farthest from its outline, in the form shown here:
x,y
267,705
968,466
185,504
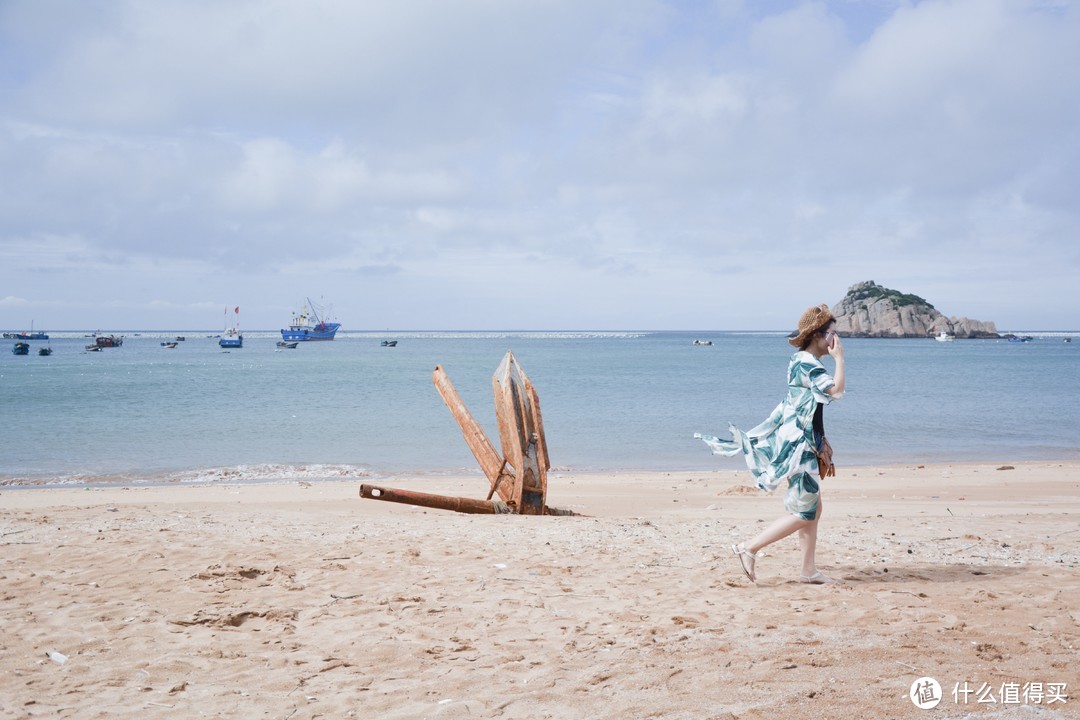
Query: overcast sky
x,y
535,164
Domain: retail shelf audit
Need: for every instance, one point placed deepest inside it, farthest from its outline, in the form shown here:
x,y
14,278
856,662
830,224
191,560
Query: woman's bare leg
x,y
808,540
780,529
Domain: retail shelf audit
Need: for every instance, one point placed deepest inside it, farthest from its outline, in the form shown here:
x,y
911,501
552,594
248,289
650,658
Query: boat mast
x,y
314,311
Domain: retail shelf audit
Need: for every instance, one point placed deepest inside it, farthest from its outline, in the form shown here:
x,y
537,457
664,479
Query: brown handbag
x,y
824,460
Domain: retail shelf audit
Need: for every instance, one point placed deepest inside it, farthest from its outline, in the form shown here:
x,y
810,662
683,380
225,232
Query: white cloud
x,y
617,150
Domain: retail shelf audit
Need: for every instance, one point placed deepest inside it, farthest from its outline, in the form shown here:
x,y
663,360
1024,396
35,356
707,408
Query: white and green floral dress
x,y
782,447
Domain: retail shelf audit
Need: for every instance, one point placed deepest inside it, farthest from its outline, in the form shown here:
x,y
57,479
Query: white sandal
x,y
817,579
739,552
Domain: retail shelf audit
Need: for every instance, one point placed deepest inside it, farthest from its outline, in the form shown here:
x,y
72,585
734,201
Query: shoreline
x,y
313,473
319,473
303,600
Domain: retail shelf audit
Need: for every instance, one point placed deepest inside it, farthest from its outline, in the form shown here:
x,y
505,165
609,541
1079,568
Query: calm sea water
x,y
610,400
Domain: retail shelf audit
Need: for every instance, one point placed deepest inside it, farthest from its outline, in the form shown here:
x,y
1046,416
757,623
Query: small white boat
x,y
703,342
944,337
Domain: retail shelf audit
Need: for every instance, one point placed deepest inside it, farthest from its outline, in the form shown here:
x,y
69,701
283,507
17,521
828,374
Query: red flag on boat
x,y
237,311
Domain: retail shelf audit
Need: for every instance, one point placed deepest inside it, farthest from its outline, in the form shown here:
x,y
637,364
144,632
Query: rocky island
x,y
872,311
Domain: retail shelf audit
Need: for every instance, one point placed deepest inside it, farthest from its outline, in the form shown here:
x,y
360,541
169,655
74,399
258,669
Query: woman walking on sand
x,y
790,446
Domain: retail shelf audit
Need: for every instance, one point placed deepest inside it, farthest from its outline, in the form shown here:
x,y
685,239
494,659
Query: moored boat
x,y
44,351
944,337
287,345
170,344
21,348
308,324
232,337
108,341
30,334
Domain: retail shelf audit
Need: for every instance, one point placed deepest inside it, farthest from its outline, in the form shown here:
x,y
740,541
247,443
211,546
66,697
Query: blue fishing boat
x,y
21,348
309,325
232,337
231,340
27,335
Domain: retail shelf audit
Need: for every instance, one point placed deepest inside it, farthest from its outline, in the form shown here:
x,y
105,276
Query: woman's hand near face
x,y
836,348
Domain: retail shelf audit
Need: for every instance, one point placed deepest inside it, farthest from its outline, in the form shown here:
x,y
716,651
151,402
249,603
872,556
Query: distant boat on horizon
x,y
109,341
27,334
309,324
232,338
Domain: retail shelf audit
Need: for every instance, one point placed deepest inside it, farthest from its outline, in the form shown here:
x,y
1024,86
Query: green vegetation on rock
x,y
873,291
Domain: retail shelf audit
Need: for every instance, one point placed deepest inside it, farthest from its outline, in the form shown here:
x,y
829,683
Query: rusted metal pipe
x,y
439,502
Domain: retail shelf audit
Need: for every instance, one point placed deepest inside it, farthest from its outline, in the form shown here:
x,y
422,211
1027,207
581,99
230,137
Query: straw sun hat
x,y
812,320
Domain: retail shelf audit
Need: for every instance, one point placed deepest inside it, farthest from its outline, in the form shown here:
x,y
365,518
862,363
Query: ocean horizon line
x,y
212,332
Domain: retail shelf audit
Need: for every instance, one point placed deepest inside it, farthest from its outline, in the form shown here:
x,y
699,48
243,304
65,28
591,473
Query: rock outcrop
x,y
870,310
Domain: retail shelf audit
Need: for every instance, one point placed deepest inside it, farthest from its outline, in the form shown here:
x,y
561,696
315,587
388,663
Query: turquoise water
x,y
619,400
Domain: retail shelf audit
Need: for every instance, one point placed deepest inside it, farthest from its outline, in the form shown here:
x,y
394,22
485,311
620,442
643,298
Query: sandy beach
x,y
303,600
